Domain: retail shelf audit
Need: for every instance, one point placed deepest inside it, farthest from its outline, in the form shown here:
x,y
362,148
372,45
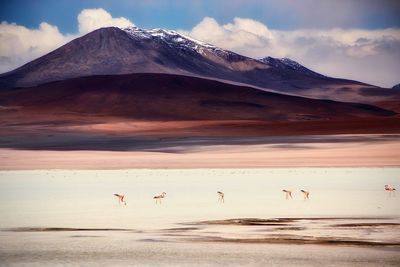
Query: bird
x,y
160,197
306,194
288,193
390,189
221,197
121,198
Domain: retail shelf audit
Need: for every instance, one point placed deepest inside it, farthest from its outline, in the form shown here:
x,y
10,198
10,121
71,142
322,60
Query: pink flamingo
x,y
160,197
288,193
121,198
221,197
306,194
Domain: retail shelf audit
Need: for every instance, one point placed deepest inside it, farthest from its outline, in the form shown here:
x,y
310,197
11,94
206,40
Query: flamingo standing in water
x,y
306,194
121,198
288,193
160,197
221,197
390,189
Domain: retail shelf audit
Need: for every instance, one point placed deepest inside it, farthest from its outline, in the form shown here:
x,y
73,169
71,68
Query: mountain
x,y
397,86
111,51
160,97
116,51
288,64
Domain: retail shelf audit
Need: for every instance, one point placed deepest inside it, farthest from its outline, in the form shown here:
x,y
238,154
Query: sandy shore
x,y
306,151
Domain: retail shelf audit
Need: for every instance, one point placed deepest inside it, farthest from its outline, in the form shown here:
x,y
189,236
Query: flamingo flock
x,y
221,195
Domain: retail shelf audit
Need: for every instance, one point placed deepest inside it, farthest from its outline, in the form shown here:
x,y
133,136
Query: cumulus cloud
x,y
19,44
92,19
371,56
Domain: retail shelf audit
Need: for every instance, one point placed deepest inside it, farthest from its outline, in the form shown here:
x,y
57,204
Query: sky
x,y
354,39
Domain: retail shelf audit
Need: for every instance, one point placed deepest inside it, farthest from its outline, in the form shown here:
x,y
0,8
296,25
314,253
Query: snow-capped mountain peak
x,y
179,40
287,63
183,42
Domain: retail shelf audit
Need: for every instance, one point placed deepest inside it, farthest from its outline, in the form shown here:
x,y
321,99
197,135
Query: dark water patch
x,y
84,236
182,229
152,240
298,240
250,221
290,228
336,218
365,224
275,221
60,229
285,228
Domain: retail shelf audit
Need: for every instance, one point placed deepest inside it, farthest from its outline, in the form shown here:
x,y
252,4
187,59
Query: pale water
x,y
84,199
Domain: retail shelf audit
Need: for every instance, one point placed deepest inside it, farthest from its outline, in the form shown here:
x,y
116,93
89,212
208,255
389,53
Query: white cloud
x,y
92,19
19,44
371,56
244,36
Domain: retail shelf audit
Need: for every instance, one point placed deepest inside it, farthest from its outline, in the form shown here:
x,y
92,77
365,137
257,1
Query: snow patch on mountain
x,y
178,40
287,63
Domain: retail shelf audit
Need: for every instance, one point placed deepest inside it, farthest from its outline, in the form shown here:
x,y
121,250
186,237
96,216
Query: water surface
x,y
34,205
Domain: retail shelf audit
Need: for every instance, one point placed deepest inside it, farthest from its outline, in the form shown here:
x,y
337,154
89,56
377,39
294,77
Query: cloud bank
x,y
371,56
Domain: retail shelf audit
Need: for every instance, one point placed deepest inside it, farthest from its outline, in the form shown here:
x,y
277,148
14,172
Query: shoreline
x,y
188,152
285,230
323,155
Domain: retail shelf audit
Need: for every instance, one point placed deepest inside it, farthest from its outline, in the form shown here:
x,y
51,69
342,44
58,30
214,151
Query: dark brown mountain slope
x,y
172,97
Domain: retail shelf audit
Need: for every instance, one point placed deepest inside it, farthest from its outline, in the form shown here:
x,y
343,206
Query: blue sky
x,y
353,39
184,14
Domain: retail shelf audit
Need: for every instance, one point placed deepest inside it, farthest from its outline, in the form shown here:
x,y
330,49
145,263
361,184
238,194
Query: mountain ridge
x,y
114,51
120,40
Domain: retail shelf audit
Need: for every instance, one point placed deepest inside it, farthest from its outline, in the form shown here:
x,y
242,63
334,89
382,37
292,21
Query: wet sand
x,y
230,242
349,231
368,232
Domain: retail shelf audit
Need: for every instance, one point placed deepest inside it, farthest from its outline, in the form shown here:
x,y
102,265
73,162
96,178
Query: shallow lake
x,y
85,198
43,213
